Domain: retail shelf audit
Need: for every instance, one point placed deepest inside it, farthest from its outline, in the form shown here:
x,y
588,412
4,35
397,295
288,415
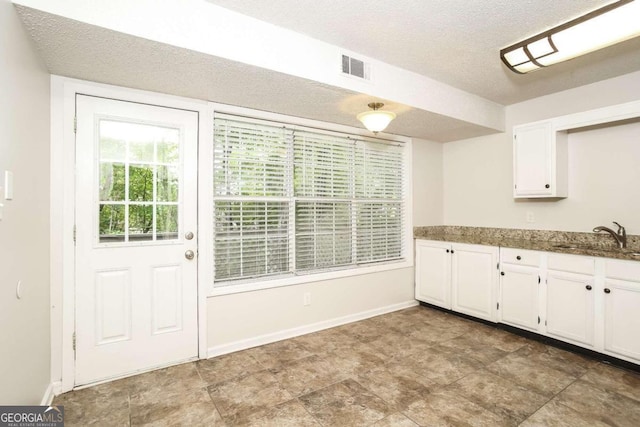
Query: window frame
x,y
289,279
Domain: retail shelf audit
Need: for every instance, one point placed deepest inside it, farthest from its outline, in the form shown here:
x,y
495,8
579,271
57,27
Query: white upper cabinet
x,y
539,161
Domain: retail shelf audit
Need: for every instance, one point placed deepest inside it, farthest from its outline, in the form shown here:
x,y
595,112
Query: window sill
x,y
276,282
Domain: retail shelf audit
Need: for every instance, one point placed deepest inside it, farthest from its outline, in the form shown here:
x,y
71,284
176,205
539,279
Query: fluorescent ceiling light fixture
x,y
603,27
376,120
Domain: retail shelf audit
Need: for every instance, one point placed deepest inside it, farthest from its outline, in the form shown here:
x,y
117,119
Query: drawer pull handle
x,y
588,287
502,273
447,250
518,257
607,290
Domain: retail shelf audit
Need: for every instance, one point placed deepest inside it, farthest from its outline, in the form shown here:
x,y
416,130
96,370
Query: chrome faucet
x,y
620,237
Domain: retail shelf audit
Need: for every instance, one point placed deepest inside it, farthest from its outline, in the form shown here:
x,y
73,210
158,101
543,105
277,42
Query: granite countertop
x,y
589,244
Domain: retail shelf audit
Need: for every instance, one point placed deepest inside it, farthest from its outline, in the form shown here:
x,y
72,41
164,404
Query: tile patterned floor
x,y
415,367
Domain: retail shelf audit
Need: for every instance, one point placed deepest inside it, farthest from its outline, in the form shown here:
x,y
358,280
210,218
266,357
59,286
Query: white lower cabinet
x,y
519,296
457,276
622,309
433,273
586,301
570,307
474,276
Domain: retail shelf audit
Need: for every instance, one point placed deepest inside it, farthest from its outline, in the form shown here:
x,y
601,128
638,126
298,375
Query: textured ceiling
x,y
454,41
79,50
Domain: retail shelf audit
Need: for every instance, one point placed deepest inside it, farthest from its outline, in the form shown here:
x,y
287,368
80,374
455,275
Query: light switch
x,y
8,185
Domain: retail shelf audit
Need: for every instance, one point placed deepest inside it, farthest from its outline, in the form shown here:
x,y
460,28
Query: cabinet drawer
x,y
624,270
520,257
572,264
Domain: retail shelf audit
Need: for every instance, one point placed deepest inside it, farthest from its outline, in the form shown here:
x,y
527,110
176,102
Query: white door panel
x,y
474,280
519,296
136,197
433,273
570,307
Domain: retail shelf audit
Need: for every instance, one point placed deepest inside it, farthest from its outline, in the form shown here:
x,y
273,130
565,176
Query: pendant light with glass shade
x,y
376,120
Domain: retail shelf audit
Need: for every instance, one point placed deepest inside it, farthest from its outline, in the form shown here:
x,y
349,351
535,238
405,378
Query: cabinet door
x,y
474,280
532,160
433,273
621,318
519,296
570,307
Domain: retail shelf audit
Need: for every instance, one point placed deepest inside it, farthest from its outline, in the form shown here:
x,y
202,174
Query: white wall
x,y
427,183
252,318
249,318
24,228
603,168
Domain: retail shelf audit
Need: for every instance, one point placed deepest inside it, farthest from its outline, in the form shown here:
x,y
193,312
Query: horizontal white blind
x,y
323,234
293,200
250,159
251,239
323,165
379,231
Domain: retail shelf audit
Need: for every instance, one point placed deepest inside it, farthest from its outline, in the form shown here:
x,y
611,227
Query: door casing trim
x,y
62,211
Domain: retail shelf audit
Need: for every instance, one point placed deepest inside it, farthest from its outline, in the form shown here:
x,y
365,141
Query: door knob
x,y
188,235
189,254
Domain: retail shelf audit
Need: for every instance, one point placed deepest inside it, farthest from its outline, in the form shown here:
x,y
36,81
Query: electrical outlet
x,y
531,217
306,300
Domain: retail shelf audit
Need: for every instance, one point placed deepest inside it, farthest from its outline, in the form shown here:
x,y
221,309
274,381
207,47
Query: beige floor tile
x,y
226,367
395,420
397,346
499,395
447,408
345,404
417,366
96,405
531,374
394,388
166,384
497,338
555,358
598,403
360,358
303,376
251,393
287,414
363,331
442,366
621,381
323,341
470,347
436,332
554,414
193,408
273,355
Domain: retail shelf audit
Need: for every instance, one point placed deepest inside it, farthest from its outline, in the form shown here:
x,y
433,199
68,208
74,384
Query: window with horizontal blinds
x,y
292,200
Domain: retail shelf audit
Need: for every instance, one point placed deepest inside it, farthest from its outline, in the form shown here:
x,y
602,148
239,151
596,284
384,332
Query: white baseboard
x,y
302,330
48,396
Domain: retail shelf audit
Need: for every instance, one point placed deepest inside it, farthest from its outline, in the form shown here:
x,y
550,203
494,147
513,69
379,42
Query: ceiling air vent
x,y
355,67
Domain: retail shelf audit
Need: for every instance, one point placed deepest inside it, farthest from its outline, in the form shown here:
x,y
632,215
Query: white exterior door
x,y
136,237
